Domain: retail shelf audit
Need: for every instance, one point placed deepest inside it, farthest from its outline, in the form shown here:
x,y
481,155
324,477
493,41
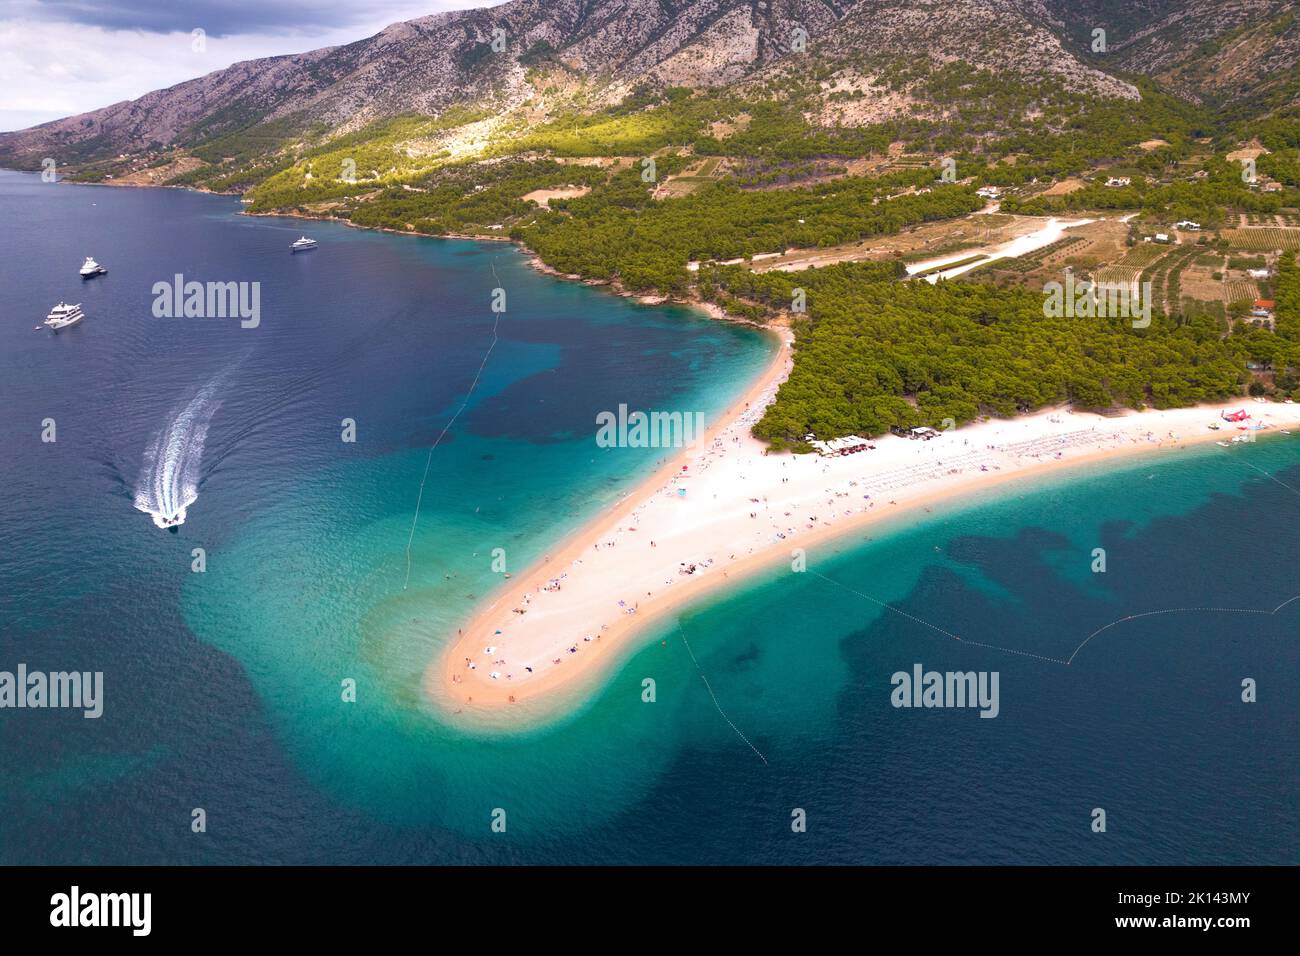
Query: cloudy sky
x,y
59,57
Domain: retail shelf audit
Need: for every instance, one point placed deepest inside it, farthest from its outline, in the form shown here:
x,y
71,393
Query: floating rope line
x,y
1182,610
1057,660
429,460
888,607
714,696
1294,491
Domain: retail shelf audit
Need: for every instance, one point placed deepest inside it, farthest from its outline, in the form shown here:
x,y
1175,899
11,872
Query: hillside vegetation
x,y
661,148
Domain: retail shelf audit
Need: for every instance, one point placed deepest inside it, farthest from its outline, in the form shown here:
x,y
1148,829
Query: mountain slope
x,y
1239,55
596,51
424,65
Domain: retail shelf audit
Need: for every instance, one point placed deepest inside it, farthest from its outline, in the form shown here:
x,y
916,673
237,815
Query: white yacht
x,y
302,245
64,315
91,268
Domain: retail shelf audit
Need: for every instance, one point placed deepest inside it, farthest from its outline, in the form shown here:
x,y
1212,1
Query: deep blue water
x,y
222,688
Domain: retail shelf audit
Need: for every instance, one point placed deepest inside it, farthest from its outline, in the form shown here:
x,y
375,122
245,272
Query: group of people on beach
x,y
804,506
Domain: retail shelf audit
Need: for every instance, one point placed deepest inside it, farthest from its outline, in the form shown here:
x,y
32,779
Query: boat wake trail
x,y
169,477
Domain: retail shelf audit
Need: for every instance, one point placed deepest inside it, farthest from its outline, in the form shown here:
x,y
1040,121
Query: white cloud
x,y
50,69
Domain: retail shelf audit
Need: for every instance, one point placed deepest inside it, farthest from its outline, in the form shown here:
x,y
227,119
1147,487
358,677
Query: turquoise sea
x,y
222,688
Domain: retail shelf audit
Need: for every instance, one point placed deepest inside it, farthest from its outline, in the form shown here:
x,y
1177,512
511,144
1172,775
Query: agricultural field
x,y
1064,187
1166,275
1263,239
1039,257
1071,250
1117,274
1143,254
1107,241
698,174
1202,282
1128,268
1081,248
926,241
1239,290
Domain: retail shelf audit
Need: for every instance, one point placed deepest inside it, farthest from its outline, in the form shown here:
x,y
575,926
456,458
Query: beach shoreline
x,y
506,672
465,693
573,544
534,260
456,686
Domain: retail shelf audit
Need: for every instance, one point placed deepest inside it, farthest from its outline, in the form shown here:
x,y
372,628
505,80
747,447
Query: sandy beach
x,y
723,509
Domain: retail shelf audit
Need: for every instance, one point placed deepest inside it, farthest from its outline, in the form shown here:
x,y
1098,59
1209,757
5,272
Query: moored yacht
x,y
64,315
302,245
91,268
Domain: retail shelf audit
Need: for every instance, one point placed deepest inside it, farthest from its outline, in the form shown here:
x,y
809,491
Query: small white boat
x,y
302,245
90,268
170,523
64,315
